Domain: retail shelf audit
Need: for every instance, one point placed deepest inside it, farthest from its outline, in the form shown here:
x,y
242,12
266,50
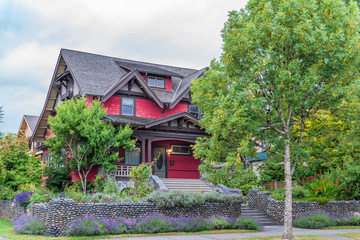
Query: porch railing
x,y
123,170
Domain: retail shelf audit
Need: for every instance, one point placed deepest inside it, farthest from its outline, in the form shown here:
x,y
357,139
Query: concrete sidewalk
x,y
267,231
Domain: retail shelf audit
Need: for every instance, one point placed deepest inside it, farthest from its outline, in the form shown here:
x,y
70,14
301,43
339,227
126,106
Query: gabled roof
x,y
31,121
184,86
184,115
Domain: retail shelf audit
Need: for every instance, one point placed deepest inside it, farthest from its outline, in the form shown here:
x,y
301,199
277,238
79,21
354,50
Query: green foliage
x,y
139,177
84,140
271,171
110,187
220,223
314,221
188,199
42,196
103,198
17,166
99,182
298,192
58,178
233,175
246,223
6,193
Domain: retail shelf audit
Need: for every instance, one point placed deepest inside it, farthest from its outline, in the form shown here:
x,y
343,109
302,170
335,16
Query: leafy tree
x,y
16,164
282,61
83,140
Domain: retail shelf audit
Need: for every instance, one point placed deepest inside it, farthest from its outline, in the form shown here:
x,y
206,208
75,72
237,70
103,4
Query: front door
x,y
159,156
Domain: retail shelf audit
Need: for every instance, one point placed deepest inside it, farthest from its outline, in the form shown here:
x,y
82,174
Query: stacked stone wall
x,y
275,208
10,211
58,213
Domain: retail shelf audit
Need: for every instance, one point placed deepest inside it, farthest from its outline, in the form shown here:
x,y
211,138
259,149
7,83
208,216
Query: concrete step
x,y
189,185
263,219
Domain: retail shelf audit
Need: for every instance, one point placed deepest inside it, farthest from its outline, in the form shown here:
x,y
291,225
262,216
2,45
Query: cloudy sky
x,y
184,33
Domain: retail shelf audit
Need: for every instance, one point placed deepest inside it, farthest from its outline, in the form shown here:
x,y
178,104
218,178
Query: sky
x,y
184,33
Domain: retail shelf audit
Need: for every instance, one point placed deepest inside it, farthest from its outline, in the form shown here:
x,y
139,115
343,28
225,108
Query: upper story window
x,y
127,106
156,82
195,111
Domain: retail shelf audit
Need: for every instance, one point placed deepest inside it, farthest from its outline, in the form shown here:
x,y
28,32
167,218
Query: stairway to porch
x,y
189,185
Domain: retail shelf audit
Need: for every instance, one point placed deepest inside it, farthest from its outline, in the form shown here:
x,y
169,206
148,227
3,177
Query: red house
x,y
154,99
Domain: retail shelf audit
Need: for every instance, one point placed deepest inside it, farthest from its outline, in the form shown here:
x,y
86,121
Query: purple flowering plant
x,y
23,199
26,224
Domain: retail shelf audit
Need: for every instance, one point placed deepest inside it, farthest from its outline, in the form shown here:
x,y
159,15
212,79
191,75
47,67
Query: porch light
x,y
169,150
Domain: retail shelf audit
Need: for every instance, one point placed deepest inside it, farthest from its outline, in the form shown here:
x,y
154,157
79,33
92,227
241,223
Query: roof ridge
x,y
124,59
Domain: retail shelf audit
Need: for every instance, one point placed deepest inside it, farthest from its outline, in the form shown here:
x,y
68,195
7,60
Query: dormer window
x,y
158,82
195,111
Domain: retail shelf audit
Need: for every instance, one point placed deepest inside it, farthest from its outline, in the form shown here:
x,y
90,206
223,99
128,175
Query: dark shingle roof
x,y
121,119
31,121
96,74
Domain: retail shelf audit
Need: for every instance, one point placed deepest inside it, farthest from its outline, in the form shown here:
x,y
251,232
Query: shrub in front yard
x,y
246,223
91,225
314,221
29,225
23,199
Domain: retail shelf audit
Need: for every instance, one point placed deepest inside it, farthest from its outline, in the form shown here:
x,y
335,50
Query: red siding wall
x,y
91,177
177,109
147,108
184,166
89,100
112,105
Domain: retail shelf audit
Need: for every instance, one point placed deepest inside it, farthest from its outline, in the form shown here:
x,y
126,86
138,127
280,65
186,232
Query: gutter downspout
x,y
166,107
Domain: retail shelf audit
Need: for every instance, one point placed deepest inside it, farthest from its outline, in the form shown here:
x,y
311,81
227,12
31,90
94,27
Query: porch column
x,y
143,150
149,158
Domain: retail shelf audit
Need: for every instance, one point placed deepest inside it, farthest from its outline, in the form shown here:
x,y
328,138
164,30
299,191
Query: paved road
x,y
267,231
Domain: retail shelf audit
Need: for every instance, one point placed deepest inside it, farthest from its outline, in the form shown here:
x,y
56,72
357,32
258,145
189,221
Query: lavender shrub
x,y
91,225
29,225
23,199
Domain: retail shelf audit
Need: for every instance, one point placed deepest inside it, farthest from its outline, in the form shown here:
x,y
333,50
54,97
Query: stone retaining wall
x,y
9,211
275,208
58,213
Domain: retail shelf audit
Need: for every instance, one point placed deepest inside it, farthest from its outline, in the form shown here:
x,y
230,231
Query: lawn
x,y
6,231
350,235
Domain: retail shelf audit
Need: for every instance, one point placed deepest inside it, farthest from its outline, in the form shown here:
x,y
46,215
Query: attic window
x,y
156,82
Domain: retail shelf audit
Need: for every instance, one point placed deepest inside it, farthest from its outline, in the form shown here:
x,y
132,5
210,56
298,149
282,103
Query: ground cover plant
x,y
319,220
91,225
29,225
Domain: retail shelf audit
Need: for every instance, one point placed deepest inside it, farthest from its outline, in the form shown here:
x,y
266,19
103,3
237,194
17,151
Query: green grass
x,y
343,227
350,235
7,231
307,237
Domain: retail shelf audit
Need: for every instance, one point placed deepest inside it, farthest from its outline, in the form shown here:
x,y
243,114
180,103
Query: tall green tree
x,y
83,140
282,61
1,119
17,166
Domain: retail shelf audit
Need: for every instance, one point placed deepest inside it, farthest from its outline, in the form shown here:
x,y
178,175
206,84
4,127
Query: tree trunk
x,y
288,231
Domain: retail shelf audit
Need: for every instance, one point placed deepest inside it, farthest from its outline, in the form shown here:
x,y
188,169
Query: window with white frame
x,y
127,106
156,82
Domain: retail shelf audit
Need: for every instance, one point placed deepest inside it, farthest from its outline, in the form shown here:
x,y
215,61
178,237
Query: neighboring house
x,y
27,126
154,99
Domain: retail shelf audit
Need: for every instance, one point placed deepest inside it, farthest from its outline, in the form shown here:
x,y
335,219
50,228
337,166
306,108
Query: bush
x,y
110,187
187,199
298,192
84,226
6,193
314,221
58,178
139,176
221,223
41,196
29,225
103,198
246,223
23,199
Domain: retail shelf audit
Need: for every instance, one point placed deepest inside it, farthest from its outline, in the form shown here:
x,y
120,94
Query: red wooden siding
x,y
89,100
185,166
112,105
177,109
147,108
91,177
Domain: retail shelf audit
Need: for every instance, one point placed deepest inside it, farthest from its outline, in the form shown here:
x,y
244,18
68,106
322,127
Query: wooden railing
x,y
123,170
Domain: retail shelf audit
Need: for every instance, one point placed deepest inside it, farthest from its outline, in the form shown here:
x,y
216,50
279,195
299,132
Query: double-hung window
x,y
127,106
156,82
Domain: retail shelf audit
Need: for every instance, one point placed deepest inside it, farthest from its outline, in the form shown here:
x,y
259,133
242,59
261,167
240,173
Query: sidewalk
x,y
267,231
